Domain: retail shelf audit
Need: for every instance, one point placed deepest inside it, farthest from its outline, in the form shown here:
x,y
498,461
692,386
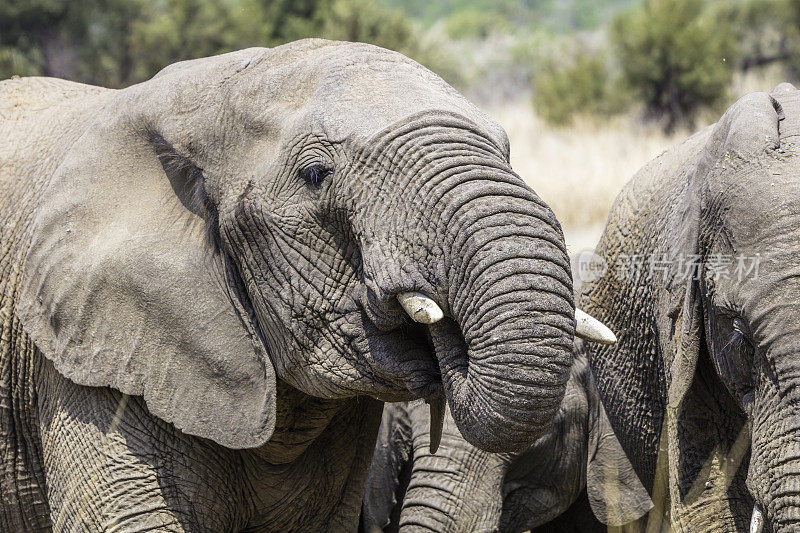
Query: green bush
x,y
13,62
364,21
675,55
119,42
580,83
767,31
473,24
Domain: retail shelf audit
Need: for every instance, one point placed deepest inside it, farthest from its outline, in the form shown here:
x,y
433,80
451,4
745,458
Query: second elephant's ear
x,y
120,288
616,494
736,151
746,133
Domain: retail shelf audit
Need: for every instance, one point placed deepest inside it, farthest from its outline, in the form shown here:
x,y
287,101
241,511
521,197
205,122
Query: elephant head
x,y
708,349
463,488
255,215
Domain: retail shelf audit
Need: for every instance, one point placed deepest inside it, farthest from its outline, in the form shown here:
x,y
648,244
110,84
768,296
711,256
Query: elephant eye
x,y
741,334
314,174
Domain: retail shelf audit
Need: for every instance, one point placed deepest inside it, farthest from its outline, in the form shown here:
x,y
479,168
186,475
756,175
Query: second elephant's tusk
x,y
590,329
420,308
756,521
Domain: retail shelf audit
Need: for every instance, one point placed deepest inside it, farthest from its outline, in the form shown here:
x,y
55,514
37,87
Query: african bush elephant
x,y
199,282
702,286
576,467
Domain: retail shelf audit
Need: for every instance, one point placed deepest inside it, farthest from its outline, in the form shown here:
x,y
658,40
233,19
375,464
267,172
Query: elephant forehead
x,y
355,90
759,208
343,90
369,100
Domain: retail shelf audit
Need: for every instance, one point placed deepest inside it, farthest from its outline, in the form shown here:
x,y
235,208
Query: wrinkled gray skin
x,y
706,369
463,488
198,279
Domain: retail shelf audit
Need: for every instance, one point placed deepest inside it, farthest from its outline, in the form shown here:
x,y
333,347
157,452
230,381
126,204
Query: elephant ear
x,y
736,147
744,134
386,483
615,492
120,287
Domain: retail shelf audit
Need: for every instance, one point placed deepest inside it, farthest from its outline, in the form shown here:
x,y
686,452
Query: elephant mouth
x,y
420,335
439,344
413,357
408,358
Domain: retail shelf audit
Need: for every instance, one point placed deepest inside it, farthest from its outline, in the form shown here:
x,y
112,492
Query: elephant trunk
x,y
773,477
457,489
774,473
491,254
510,299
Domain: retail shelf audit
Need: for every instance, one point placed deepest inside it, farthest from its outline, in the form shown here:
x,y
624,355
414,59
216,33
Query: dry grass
x,y
580,169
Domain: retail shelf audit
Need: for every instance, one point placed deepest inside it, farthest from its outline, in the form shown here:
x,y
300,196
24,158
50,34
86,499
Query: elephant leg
x,y
111,466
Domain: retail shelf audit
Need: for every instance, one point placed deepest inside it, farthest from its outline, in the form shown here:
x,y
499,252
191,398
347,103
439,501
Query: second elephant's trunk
x,y
458,489
774,473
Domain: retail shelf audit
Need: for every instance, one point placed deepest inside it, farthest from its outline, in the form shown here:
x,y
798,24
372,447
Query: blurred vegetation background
x,y
588,90
670,58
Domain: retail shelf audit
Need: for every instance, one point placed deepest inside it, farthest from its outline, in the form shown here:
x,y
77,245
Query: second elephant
x,y
703,288
572,476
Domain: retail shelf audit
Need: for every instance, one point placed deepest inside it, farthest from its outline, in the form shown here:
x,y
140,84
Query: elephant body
x,y
542,488
199,278
701,387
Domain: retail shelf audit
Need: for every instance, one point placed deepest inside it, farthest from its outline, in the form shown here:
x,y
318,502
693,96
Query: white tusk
x,y
438,406
757,521
420,307
590,329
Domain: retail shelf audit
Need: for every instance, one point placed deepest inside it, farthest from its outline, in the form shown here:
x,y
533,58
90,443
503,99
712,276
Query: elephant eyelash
x,y
740,336
315,174
737,340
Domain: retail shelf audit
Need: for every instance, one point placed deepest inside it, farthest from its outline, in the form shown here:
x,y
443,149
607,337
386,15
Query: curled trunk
x,y
491,254
511,297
